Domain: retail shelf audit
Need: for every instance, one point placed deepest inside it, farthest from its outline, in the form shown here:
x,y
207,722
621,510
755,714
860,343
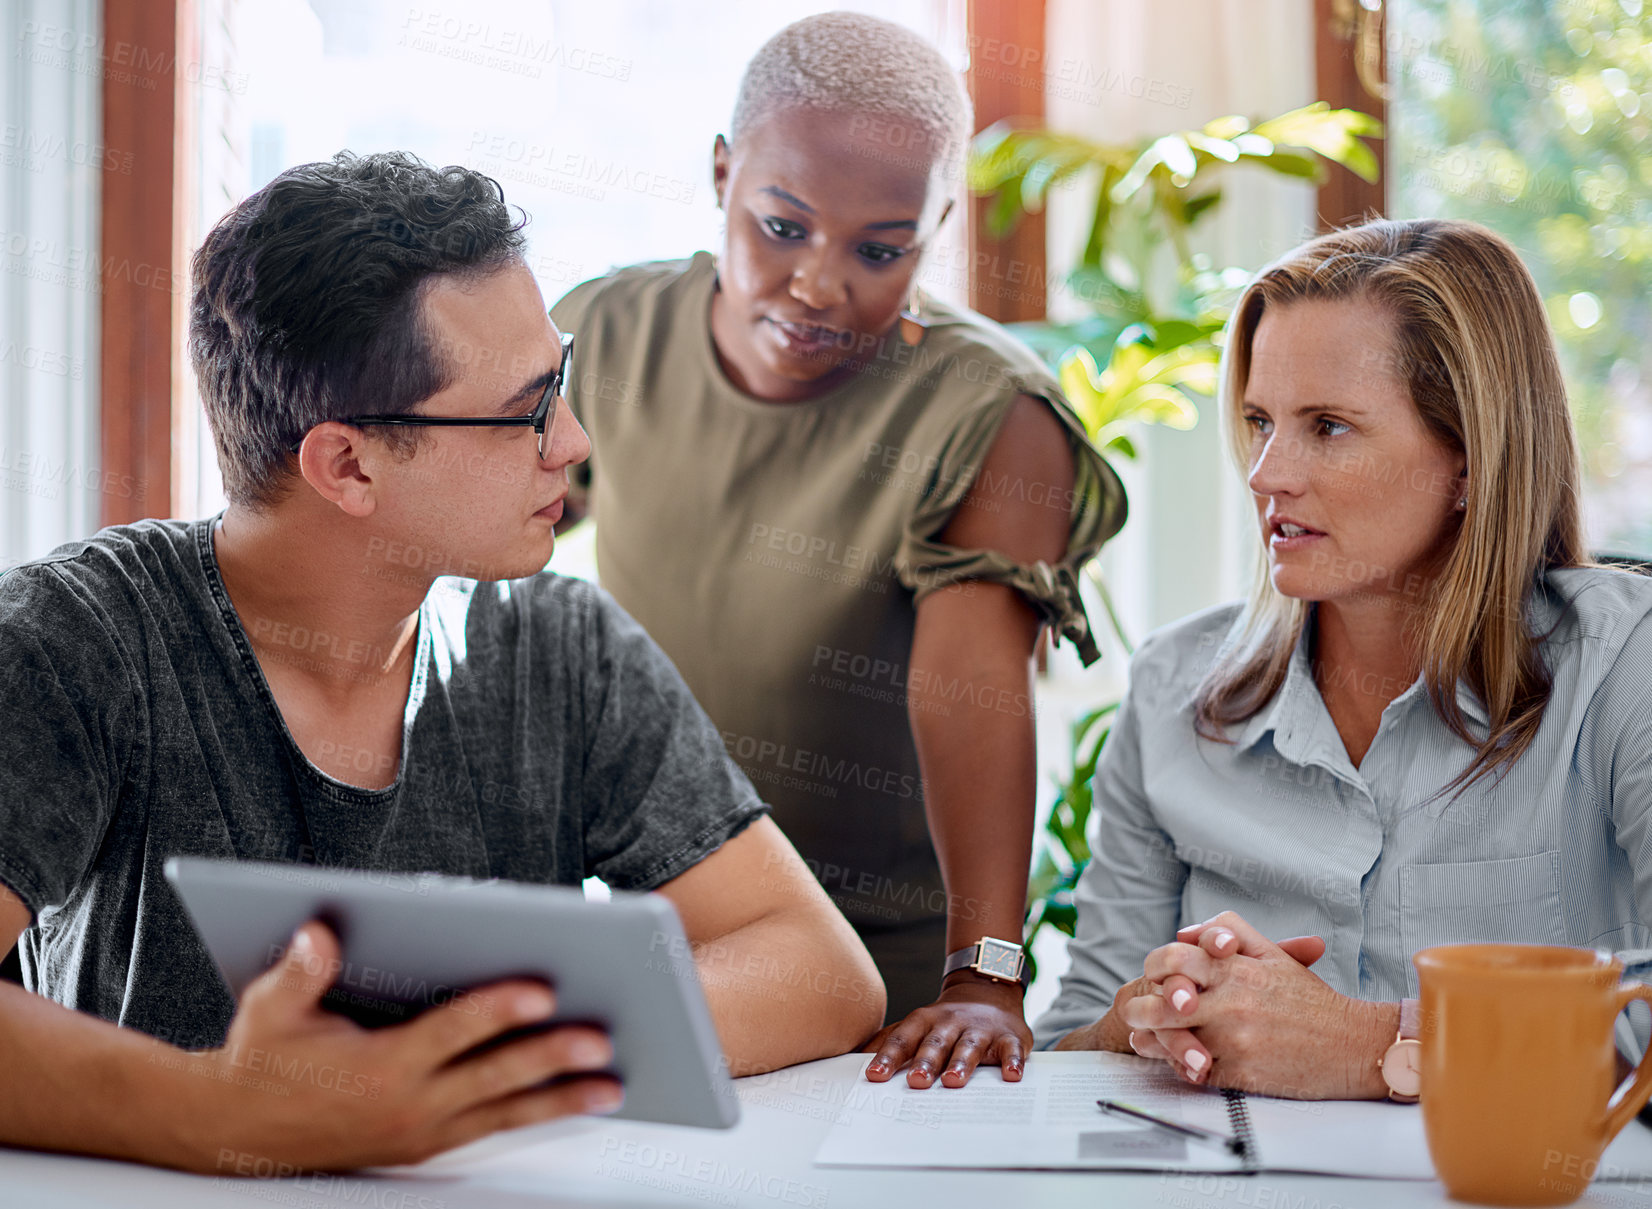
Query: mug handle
x,y
1641,1089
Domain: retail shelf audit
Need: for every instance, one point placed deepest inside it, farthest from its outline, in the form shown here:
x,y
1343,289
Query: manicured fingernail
x,y
590,1053
1224,939
1181,999
531,1005
1195,1061
921,1071
604,1099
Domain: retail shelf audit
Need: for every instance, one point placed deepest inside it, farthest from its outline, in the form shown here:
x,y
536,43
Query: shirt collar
x,y
1290,716
1468,701
1276,716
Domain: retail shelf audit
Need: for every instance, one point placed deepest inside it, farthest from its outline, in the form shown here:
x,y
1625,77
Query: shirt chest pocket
x,y
1513,901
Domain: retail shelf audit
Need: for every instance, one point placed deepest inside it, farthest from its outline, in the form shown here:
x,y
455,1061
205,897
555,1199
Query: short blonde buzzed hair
x,y
851,62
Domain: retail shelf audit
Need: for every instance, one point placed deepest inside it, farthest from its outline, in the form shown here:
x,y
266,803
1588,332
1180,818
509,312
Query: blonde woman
x,y
1432,721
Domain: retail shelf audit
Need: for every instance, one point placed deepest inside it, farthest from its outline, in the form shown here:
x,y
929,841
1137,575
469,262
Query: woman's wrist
x,y
1372,1028
966,984
1108,1033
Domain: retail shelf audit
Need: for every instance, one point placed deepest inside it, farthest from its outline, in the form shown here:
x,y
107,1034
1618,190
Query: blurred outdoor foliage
x,y
1534,117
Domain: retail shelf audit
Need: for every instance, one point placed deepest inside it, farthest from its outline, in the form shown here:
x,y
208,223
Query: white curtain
x,y
51,158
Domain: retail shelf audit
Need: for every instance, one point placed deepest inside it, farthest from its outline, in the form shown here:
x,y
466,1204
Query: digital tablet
x,y
411,941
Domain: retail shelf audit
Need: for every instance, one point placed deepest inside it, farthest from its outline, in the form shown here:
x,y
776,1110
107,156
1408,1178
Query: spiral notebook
x,y
1050,1121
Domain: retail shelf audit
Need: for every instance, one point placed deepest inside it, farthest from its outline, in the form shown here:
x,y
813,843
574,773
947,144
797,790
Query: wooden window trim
x,y
1005,80
1345,198
142,252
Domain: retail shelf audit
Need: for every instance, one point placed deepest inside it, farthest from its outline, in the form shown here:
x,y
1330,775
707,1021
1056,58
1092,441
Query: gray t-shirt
x,y
546,739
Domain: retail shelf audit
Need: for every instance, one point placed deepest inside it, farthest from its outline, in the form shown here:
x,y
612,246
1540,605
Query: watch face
x,y
1402,1067
999,959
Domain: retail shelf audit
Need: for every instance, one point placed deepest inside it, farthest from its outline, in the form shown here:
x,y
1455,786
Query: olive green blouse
x,y
776,551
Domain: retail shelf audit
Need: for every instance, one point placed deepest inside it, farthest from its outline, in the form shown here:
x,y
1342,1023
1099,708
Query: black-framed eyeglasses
x,y
539,419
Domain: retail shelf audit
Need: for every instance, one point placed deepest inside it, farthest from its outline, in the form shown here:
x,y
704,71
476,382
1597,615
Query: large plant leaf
x,y
1194,207
1217,148
1003,212
1143,383
1229,127
1171,152
1063,849
1095,245
1051,341
1003,155
1293,163
1333,133
1156,404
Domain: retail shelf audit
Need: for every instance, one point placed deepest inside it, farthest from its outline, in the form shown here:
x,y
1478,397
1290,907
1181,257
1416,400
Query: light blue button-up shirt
x,y
1282,828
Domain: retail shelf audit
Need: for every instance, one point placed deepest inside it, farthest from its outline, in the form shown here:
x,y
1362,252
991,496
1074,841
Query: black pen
x,y
1228,1143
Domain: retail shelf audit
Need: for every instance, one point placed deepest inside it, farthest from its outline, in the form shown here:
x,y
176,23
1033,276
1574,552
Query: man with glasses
x,y
361,663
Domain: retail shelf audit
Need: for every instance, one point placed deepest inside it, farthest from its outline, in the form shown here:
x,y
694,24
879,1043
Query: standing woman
x,y
845,511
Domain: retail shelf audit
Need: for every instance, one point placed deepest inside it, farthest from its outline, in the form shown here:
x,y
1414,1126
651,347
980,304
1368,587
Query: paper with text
x,y
1050,1120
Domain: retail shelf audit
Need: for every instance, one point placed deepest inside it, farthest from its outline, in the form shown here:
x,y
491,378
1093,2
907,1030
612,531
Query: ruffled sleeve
x,y
1097,511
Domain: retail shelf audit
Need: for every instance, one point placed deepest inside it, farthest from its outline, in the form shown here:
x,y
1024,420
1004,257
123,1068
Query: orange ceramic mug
x,y
1517,1067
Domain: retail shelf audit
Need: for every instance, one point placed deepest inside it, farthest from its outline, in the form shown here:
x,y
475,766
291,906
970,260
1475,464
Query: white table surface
x,y
765,1162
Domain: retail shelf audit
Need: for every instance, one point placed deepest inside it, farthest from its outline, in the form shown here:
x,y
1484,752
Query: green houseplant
x,y
1149,347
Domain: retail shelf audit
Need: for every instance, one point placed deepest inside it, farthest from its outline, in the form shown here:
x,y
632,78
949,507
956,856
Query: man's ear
x,y
334,461
721,155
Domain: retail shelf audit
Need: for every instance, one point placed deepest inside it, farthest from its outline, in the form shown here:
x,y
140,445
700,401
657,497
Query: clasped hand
x,y
1226,1006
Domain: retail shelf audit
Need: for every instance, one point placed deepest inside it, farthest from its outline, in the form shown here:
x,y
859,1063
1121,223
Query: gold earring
x,y
913,324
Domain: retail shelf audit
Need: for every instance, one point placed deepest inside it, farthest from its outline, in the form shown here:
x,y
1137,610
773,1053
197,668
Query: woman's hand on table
x,y
1228,1007
975,1022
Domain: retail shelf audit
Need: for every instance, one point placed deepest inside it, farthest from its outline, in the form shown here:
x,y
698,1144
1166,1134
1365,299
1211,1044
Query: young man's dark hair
x,y
320,676
306,302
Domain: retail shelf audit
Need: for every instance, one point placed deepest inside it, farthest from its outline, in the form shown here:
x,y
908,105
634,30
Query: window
x,y
1536,120
596,119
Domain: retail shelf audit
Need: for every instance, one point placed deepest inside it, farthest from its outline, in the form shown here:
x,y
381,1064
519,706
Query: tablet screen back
x,y
411,941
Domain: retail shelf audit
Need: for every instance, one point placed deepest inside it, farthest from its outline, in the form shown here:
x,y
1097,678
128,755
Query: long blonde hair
x,y
1474,345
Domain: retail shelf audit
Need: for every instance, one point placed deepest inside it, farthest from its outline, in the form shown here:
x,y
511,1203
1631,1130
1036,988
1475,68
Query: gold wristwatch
x,y
1401,1065
999,960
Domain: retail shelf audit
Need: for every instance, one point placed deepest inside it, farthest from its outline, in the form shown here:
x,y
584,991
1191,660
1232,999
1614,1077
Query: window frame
x,y
1344,30
143,265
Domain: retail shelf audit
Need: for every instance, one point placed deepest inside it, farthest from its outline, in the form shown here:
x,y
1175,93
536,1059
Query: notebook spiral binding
x,y
1239,1121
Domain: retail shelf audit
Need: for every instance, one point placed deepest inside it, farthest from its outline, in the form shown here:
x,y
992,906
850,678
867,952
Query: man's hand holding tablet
x,y
313,1089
